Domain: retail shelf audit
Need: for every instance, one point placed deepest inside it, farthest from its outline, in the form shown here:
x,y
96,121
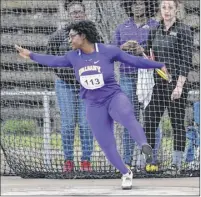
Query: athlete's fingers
x,y
19,48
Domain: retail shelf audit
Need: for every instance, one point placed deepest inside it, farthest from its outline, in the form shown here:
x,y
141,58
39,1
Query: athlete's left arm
x,y
138,62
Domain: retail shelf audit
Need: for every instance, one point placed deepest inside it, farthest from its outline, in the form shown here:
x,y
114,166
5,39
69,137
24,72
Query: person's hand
x,y
176,94
23,52
133,47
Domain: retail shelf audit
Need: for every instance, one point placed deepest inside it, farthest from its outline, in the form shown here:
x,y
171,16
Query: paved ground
x,y
18,186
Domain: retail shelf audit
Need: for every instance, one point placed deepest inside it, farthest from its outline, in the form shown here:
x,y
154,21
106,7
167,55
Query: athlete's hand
x,y
23,52
164,69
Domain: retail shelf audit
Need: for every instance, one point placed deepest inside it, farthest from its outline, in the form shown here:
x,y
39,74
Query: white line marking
x,y
106,191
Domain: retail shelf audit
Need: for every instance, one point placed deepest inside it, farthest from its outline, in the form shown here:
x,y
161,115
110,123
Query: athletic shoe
x,y
86,166
127,181
152,168
147,151
68,166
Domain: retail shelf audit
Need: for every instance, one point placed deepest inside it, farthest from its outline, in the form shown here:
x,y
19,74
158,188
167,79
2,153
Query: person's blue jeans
x,y
128,85
193,134
73,111
193,137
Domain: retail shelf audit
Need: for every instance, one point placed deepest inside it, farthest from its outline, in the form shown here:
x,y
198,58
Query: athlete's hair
x,y
86,27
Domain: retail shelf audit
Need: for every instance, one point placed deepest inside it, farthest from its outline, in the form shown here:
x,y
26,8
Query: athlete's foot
x,y
147,151
127,181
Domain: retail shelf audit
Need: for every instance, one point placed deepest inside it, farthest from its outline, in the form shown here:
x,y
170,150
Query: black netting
x,y
31,139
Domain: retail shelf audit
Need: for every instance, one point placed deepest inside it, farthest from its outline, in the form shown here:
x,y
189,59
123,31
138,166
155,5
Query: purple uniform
x,y
105,102
95,71
130,31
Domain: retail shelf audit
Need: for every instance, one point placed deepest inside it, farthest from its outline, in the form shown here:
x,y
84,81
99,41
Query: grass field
x,y
29,153
36,144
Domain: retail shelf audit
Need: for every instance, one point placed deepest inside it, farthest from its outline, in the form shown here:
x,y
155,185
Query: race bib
x,y
92,82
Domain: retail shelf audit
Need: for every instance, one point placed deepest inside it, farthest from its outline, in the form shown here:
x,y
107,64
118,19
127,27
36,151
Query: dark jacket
x,y
173,47
58,44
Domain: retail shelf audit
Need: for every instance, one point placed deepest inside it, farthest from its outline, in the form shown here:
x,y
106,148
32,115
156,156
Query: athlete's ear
x,y
83,36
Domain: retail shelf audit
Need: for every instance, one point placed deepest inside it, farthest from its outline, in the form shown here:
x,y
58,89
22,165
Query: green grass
x,y
167,147
17,141
36,142
12,141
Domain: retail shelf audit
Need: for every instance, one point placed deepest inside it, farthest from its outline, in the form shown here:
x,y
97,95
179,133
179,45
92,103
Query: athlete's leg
x,y
121,110
127,85
102,128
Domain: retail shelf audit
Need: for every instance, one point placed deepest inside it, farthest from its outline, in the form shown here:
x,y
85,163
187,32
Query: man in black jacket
x,y
71,106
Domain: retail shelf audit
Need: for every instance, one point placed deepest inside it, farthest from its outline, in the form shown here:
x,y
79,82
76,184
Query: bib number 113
x,y
92,81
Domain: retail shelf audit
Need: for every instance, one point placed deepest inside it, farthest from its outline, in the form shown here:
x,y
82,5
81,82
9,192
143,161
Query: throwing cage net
x,y
35,140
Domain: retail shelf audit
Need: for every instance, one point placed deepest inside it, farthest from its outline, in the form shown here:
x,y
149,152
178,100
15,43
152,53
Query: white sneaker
x,y
127,180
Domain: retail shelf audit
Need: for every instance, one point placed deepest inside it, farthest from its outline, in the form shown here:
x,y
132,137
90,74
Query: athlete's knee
x,y
108,148
106,142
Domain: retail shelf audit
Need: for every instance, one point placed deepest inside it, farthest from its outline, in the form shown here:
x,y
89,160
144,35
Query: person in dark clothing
x,y
72,108
171,43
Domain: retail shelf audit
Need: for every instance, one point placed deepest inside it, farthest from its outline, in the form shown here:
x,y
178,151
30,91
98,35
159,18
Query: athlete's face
x,y
76,40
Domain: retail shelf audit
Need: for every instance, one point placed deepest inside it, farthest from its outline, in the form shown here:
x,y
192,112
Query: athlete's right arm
x,y
51,60
48,60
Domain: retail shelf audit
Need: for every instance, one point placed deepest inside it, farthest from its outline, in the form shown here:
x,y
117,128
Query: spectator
x,y
67,90
193,136
135,28
171,43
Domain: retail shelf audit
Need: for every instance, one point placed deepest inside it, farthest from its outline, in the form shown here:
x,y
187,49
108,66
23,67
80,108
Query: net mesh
x,y
31,137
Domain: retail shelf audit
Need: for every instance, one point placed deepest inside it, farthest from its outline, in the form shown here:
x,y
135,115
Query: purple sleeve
x,y
134,61
116,38
51,60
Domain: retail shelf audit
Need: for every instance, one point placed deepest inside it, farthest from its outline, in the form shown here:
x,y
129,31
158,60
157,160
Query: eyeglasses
x,y
72,35
76,13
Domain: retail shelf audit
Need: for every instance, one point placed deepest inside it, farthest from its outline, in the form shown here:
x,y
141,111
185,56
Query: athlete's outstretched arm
x,y
51,60
48,60
138,62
